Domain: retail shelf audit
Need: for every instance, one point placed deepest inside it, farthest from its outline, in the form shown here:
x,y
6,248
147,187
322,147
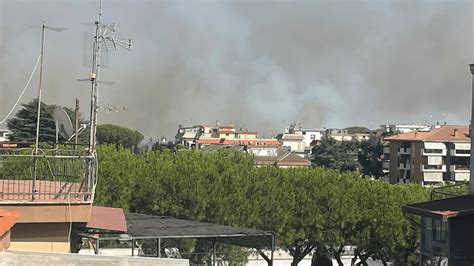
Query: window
x,y
313,136
426,235
439,230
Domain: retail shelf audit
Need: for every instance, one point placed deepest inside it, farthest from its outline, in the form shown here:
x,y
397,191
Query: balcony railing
x,y
433,168
404,151
461,153
459,168
438,152
50,176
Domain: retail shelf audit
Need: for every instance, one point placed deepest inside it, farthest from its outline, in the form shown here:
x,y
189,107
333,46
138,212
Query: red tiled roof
x,y
106,218
238,141
444,133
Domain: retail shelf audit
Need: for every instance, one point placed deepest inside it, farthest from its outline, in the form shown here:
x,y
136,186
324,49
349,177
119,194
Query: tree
x,y
370,157
119,136
23,125
311,210
357,130
339,155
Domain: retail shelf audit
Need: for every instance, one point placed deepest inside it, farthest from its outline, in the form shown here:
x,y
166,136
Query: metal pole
x,y
213,252
76,123
94,91
57,132
133,247
273,249
471,160
159,247
38,115
39,88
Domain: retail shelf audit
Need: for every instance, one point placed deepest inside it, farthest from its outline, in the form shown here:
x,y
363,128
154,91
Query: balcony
x,y
461,153
404,166
386,149
52,176
433,168
459,176
385,165
434,152
432,177
459,168
404,151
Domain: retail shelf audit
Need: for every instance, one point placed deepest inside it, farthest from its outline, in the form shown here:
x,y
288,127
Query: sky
x,y
261,65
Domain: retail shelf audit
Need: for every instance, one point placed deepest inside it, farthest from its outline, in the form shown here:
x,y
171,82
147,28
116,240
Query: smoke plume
x,y
259,64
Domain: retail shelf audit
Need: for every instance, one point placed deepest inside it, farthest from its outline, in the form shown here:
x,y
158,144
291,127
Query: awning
x,y
444,208
142,226
435,145
105,218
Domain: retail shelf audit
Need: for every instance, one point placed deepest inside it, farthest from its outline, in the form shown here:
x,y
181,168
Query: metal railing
x,y
449,191
53,175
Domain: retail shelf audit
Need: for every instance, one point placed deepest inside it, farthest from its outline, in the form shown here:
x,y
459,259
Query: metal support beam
x,y
471,164
133,247
213,252
158,247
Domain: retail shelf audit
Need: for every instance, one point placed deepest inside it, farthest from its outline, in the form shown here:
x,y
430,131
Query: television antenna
x,y
38,114
104,41
40,85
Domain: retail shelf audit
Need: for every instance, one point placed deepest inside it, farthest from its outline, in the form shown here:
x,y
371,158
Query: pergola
x,y
159,228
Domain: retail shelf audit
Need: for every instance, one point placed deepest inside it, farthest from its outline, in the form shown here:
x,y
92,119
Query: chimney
x,y
455,132
471,164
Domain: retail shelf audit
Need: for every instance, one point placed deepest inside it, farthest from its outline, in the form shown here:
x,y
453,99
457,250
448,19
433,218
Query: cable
x,y
23,92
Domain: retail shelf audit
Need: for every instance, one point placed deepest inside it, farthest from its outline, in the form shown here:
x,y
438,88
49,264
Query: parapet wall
x,y
60,259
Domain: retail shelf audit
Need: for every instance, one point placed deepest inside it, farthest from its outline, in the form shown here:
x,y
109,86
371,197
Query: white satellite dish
x,y
64,122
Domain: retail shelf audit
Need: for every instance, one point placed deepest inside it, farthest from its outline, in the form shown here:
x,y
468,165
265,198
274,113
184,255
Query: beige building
x,y
428,157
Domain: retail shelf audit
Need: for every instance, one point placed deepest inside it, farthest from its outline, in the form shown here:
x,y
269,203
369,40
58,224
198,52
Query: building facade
x,y
428,157
4,135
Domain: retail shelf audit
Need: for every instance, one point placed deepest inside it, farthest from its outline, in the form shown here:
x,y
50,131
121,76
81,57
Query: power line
x,y
23,92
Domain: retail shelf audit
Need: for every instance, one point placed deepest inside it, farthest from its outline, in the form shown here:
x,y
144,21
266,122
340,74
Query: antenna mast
x,y
104,39
94,76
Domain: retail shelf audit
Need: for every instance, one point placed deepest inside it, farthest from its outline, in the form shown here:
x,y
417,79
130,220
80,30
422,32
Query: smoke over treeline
x,y
261,65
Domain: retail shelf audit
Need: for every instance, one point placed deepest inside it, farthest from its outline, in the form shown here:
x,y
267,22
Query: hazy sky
x,y
259,64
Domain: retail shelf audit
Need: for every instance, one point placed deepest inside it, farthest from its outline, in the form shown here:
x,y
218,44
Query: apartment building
x,y
428,157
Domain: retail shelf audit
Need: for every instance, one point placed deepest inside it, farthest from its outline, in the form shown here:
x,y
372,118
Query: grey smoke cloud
x,y
261,65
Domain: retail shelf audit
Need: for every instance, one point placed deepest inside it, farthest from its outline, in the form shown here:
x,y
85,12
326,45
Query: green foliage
x,y
370,157
23,125
339,155
119,136
357,130
327,209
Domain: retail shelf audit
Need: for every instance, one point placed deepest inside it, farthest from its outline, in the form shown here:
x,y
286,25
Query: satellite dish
x,y
65,125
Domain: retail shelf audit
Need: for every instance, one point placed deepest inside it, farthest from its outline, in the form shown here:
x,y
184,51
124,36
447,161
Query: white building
x,y
4,135
403,128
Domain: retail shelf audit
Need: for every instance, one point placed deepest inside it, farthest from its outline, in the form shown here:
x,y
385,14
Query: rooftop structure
x,y
403,128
